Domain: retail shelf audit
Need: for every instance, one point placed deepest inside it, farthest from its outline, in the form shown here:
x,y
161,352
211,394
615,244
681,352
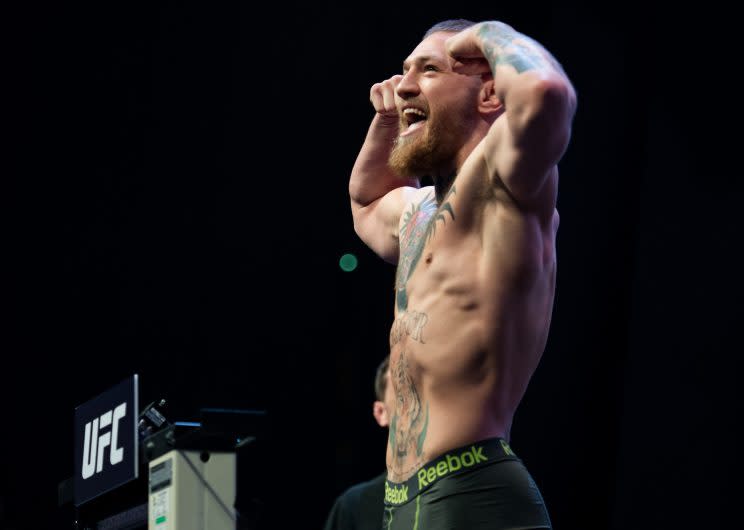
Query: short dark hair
x,y
454,25
380,382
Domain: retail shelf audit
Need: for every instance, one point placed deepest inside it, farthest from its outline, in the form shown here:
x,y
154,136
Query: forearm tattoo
x,y
504,46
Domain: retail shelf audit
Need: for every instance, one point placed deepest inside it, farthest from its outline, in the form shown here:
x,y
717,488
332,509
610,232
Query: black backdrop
x,y
176,206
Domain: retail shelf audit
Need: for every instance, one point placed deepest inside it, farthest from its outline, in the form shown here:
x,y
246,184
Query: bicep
x,y
521,150
377,222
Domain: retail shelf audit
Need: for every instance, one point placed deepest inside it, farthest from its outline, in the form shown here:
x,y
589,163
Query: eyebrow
x,y
419,60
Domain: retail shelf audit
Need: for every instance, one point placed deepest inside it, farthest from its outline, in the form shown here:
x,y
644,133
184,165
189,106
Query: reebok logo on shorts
x,y
478,454
396,494
451,463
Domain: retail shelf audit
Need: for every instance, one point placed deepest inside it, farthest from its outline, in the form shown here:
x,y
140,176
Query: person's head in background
x,y
384,407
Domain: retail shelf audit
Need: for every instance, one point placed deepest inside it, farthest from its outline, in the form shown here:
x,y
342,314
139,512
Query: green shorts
x,y
480,485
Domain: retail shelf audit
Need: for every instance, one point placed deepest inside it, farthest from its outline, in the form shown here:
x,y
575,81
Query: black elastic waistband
x,y
463,458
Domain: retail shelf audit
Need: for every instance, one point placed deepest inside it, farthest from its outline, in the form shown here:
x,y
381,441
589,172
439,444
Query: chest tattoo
x,y
419,225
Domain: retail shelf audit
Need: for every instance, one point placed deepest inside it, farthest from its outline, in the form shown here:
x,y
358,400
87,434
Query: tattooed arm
x,y
537,96
377,195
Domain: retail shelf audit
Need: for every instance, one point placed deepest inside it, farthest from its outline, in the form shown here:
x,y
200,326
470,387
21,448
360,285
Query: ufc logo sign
x,y
97,440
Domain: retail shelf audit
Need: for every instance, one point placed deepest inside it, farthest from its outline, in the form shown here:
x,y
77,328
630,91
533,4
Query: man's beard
x,y
431,151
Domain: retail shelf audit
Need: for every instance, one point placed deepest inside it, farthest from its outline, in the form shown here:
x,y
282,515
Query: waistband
x,y
465,458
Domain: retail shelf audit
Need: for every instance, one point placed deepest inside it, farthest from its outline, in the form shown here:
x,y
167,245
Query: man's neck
x,y
442,185
443,179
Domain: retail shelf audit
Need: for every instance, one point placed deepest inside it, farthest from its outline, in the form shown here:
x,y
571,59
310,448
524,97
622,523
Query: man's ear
x,y
488,102
380,413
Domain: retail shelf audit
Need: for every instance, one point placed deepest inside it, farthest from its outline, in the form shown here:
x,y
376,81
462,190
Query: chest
x,y
437,250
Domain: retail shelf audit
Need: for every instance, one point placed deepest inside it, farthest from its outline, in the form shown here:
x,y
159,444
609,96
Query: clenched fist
x,y
382,96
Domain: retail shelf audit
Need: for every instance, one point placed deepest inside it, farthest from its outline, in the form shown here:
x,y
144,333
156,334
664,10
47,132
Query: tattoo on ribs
x,y
408,324
410,422
419,225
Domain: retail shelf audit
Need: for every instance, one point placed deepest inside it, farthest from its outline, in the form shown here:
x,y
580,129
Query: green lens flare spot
x,y
348,262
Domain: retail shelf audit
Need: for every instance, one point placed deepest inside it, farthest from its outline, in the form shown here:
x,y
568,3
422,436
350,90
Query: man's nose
x,y
408,86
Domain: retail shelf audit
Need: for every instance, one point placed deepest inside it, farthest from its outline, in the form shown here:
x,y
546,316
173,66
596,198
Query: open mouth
x,y
412,120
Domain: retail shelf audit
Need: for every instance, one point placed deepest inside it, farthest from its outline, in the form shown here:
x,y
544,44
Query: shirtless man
x,y
486,113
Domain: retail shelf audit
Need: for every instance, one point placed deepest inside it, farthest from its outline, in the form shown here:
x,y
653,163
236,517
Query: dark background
x,y
176,206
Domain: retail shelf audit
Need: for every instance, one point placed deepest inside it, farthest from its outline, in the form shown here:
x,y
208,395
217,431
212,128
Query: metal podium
x,y
135,469
187,493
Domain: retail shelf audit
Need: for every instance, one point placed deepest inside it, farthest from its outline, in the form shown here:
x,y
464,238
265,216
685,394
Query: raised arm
x,y
378,196
527,141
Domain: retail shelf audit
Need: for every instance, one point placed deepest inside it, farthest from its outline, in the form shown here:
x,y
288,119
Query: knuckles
x,y
383,90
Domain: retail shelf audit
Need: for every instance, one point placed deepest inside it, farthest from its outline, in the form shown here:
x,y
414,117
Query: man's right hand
x,y
378,195
382,97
